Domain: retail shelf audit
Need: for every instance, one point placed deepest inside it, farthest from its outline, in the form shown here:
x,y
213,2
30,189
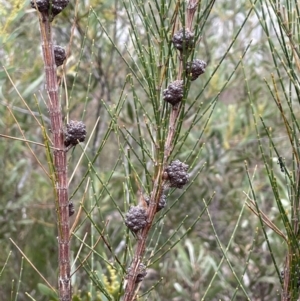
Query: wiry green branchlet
x,y
174,93
75,132
195,68
161,204
136,218
141,273
183,39
59,55
177,174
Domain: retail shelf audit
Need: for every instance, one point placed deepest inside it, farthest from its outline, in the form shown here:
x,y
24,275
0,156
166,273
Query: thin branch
x,y
52,288
26,140
265,218
80,208
88,255
34,155
23,100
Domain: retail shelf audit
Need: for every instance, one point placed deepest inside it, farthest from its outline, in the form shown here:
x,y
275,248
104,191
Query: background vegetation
x,y
97,78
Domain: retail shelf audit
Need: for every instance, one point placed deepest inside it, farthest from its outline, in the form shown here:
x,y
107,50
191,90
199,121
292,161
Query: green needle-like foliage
x,y
204,244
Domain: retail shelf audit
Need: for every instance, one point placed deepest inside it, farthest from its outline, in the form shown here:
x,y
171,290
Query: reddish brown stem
x,y
191,9
142,239
59,159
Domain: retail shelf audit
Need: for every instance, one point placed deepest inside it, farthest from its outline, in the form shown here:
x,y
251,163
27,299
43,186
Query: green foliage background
x,y
26,207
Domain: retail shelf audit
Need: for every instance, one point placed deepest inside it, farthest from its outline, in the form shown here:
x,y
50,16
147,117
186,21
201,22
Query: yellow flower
x,y
111,284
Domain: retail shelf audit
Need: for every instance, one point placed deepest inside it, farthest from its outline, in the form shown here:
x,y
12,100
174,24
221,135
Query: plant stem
x,y
155,196
159,182
60,160
142,238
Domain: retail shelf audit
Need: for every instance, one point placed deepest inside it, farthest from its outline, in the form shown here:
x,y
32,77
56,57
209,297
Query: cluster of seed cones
x,y
141,273
59,55
49,7
136,217
75,132
161,203
177,174
184,42
52,8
